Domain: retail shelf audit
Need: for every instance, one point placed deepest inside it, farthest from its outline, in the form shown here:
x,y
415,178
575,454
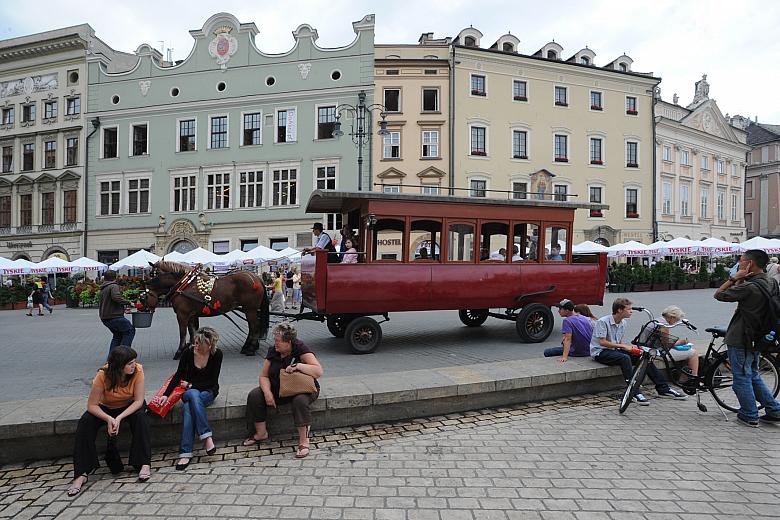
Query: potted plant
x,y
702,278
642,278
660,276
718,276
621,277
680,278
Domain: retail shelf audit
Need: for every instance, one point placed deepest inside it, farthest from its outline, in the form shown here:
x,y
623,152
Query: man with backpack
x,y
754,318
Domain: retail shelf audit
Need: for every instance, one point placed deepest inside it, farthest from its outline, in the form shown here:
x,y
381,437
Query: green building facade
x,y
222,149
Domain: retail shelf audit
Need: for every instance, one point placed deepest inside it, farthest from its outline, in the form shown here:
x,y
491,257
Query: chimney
x,y
425,37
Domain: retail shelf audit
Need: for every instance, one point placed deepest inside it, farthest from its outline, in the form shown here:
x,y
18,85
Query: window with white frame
x,y
110,142
28,113
392,97
110,196
326,122
8,116
561,143
667,153
632,202
721,166
333,221
519,90
704,202
561,96
478,188
430,100
595,100
519,144
253,129
326,177
705,162
73,106
391,145
218,191
138,196
391,189
560,192
429,190
666,205
734,207
28,156
220,247
184,192
286,125
596,196
733,169
50,154
720,203
187,135
218,132
478,140
8,160
139,134
26,209
284,189
71,151
250,189
519,190
632,155
50,110
596,150
685,158
684,199
430,144
478,85
631,105
47,208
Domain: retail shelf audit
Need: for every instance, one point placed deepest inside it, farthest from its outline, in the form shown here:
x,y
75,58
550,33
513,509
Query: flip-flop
x,y
73,490
301,454
144,475
251,441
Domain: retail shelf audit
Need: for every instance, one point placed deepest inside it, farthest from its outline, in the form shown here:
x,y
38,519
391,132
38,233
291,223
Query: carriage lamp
x,y
371,221
360,130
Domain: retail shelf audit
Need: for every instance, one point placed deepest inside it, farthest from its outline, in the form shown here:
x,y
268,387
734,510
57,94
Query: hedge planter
x,y
661,286
641,287
716,283
685,285
701,285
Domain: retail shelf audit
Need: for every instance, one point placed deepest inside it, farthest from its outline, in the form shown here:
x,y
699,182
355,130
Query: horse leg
x,y
183,326
251,345
253,335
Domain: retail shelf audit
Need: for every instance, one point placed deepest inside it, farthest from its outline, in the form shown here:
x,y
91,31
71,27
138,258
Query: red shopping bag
x,y
174,398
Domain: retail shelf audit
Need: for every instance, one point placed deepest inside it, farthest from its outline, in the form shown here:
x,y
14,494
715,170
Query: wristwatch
x,y
732,280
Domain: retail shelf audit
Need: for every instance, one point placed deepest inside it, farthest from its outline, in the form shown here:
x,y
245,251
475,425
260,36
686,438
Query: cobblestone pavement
x,y
64,349
573,458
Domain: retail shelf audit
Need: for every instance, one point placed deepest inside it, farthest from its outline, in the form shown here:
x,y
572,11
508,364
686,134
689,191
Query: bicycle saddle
x,y
718,332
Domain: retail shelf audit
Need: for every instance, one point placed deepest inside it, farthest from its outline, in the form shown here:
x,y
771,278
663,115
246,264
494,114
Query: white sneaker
x,y
641,400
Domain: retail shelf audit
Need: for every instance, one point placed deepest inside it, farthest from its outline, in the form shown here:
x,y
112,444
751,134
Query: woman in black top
x,y
289,354
198,371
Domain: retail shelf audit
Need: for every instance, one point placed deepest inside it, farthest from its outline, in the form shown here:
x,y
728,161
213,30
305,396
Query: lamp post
x,y
360,131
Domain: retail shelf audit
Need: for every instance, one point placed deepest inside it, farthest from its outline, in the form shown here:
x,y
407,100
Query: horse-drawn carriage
x,y
504,258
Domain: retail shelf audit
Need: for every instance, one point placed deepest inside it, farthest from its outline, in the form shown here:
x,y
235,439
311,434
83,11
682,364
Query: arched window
x,y
424,240
585,60
493,238
508,47
623,67
470,41
552,55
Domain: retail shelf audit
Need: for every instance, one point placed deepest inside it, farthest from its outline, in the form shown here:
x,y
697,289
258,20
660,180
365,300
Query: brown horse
x,y
193,296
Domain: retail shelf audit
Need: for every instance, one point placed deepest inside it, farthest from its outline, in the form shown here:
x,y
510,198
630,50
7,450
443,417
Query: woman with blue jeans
x,y
198,372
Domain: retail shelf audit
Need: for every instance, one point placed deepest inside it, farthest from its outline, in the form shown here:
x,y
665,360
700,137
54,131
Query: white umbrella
x,y
679,246
20,266
200,256
630,248
234,257
716,247
174,256
262,254
589,247
53,264
770,245
87,264
138,260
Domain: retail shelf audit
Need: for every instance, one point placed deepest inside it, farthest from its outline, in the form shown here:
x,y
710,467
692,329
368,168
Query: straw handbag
x,y
295,383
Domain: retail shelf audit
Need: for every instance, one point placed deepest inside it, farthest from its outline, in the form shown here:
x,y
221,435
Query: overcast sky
x,y
734,43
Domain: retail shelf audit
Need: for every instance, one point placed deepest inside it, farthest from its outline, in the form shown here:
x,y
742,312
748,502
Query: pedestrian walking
x,y
112,309
296,288
45,295
288,288
744,329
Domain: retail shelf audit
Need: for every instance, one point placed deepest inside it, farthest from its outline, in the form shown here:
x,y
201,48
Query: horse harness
x,y
204,286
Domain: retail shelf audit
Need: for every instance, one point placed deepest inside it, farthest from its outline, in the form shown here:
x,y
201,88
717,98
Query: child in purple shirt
x,y
577,330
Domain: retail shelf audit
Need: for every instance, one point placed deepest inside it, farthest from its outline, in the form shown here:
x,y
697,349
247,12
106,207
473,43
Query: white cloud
x,y
734,43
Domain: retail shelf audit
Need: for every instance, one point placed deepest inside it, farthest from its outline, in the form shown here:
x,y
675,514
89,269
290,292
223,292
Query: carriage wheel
x,y
337,324
534,323
363,335
473,317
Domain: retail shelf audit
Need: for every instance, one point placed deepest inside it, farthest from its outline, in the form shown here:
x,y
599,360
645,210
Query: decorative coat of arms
x,y
303,69
144,86
223,46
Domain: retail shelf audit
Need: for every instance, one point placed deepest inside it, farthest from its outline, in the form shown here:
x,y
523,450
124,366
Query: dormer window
x,y
508,47
552,55
585,60
470,41
622,67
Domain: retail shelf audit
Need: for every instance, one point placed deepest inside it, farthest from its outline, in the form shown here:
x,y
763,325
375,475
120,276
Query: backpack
x,y
771,323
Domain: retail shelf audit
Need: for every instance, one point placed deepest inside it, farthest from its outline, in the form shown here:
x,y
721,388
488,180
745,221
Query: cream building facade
x,y
412,84
700,174
546,126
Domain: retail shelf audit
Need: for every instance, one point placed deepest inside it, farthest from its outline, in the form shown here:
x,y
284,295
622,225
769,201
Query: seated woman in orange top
x,y
117,396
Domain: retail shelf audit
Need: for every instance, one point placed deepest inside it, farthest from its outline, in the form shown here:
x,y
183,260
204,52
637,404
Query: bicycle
x,y
714,375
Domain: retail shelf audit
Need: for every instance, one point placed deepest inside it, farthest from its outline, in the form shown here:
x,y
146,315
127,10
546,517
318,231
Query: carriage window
x,y
525,242
424,240
460,242
388,239
493,239
555,243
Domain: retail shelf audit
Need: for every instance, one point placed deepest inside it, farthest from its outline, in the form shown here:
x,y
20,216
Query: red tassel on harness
x,y
255,286
217,305
205,310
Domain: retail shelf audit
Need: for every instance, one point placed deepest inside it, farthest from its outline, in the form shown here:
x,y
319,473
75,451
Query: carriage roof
x,y
331,201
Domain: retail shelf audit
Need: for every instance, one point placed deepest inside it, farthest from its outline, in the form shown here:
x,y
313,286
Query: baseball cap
x,y
565,304
317,225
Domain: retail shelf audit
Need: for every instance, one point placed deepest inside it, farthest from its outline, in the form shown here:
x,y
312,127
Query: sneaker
x,y
641,400
673,394
752,423
770,419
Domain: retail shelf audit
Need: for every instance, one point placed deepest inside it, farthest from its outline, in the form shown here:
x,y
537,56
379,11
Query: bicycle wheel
x,y
719,379
633,384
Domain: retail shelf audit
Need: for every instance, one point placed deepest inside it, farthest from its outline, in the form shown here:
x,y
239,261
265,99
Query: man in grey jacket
x,y
744,328
112,312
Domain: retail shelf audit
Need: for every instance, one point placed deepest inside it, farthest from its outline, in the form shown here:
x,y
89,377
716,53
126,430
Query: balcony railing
x,y
41,228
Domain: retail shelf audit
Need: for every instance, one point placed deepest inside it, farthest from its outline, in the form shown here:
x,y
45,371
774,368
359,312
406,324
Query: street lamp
x,y
360,131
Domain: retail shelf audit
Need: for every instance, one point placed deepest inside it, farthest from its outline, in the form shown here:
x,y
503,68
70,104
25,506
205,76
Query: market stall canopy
x,y
87,264
236,256
630,248
716,247
138,260
262,254
174,256
52,265
291,254
589,247
770,245
200,256
679,246
20,266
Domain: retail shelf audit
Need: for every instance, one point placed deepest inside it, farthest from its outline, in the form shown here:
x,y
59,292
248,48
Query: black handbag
x,y
113,460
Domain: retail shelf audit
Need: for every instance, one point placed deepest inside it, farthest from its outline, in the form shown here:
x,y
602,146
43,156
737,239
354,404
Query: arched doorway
x,y
182,246
56,251
602,241
23,256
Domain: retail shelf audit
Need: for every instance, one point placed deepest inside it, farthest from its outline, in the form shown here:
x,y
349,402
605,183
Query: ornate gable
x,y
431,173
707,118
391,173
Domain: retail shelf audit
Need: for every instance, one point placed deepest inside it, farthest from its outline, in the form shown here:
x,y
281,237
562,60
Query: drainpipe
x,y
451,104
655,173
95,126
